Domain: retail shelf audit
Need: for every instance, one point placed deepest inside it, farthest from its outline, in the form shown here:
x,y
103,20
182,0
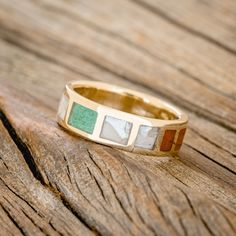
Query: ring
x,y
122,118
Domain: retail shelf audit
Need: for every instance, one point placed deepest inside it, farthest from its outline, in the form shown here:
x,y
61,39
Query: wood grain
x,y
53,183
212,20
173,80
26,206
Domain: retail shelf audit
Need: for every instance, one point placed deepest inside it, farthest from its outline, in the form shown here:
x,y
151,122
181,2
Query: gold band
x,y
122,118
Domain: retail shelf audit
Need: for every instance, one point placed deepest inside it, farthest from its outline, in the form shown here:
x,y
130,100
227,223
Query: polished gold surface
x,y
125,102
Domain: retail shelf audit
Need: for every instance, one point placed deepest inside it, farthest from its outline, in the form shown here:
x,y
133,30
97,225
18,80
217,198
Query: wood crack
x,y
183,227
206,225
22,147
61,234
33,167
123,208
34,223
211,142
4,163
74,212
158,205
13,220
175,177
79,216
145,223
97,183
218,163
112,188
94,162
16,194
188,200
157,202
228,221
68,168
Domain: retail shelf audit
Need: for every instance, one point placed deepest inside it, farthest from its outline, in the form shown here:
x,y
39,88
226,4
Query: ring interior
x,y
125,102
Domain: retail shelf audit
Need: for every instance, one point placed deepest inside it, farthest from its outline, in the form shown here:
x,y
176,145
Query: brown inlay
x,y
180,139
167,140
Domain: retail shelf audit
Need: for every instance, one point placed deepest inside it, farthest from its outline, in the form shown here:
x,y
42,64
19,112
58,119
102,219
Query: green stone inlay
x,y
82,118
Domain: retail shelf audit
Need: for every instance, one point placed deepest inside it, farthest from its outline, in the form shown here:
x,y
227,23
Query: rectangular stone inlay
x,y
116,130
168,140
146,137
180,139
82,118
63,107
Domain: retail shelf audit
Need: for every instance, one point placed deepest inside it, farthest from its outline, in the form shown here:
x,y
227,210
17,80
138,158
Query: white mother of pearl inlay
x,y
116,130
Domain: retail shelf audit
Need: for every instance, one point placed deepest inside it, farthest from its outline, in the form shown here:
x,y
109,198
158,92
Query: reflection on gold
x,y
125,102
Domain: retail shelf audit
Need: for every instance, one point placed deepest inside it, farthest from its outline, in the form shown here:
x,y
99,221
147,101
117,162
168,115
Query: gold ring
x,y
122,118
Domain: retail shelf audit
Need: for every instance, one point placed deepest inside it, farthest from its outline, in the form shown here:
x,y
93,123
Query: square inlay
x,y
116,130
167,140
63,106
82,118
146,137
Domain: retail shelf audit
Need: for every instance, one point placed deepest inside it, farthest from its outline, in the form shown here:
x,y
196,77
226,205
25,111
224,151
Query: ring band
x,y
122,118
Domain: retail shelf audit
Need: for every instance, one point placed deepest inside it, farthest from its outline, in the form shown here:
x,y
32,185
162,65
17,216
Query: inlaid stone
x,y
116,130
63,106
180,139
167,140
146,137
82,118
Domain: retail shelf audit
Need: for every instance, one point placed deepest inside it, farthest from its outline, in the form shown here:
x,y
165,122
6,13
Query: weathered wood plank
x,y
27,207
106,187
92,188
94,181
216,135
212,20
195,82
103,185
7,226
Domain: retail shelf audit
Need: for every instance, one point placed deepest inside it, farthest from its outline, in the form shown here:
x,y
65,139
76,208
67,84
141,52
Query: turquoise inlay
x,y
82,118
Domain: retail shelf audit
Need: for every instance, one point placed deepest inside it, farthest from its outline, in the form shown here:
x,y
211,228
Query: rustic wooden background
x,y
52,183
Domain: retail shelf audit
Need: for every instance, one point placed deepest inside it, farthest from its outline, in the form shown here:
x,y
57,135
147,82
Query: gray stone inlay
x,y
146,137
116,130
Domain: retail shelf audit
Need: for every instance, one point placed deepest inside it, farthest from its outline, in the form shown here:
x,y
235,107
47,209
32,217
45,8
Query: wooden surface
x,y
53,183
